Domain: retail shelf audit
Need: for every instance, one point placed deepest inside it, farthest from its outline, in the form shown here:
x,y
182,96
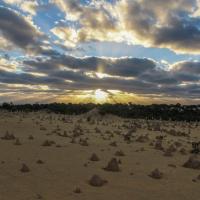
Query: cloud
x,y
136,75
187,71
41,67
21,32
13,1
96,20
133,75
5,44
156,23
127,67
8,65
29,6
191,67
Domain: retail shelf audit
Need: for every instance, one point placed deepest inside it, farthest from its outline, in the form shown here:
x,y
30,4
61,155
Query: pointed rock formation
x,y
193,162
156,174
96,181
24,168
94,157
112,166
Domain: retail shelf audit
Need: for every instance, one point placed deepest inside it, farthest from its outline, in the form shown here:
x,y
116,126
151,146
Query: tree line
x,y
174,112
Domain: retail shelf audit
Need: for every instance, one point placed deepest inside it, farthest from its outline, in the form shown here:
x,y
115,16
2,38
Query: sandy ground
x,y
66,167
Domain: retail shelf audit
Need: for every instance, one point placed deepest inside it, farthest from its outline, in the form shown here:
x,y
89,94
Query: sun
x,y
100,96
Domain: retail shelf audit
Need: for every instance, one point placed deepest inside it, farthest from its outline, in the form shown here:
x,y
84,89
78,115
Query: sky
x,y
115,51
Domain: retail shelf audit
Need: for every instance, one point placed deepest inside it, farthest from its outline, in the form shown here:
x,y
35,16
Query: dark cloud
x,y
140,76
181,34
190,67
129,67
160,23
18,30
160,76
136,75
25,78
22,33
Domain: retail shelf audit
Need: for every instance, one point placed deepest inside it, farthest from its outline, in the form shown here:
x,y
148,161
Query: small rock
x,y
8,136
40,162
172,165
198,177
193,162
24,168
46,143
119,153
17,142
94,157
38,196
83,142
30,137
156,174
142,138
168,153
77,190
96,181
113,165
158,145
183,151
113,144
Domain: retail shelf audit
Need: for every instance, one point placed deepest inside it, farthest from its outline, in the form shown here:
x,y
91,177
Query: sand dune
x,y
58,157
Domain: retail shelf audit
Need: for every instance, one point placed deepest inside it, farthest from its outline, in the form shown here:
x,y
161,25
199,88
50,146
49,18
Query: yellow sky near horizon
x,y
97,96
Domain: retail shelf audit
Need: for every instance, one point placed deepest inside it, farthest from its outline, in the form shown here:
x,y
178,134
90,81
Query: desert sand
x,y
93,157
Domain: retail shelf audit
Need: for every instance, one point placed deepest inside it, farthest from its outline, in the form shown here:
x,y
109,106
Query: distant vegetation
x,y
155,111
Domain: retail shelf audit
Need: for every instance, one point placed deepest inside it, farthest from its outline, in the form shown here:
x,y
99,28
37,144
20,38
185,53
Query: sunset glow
x,y
149,50
100,96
